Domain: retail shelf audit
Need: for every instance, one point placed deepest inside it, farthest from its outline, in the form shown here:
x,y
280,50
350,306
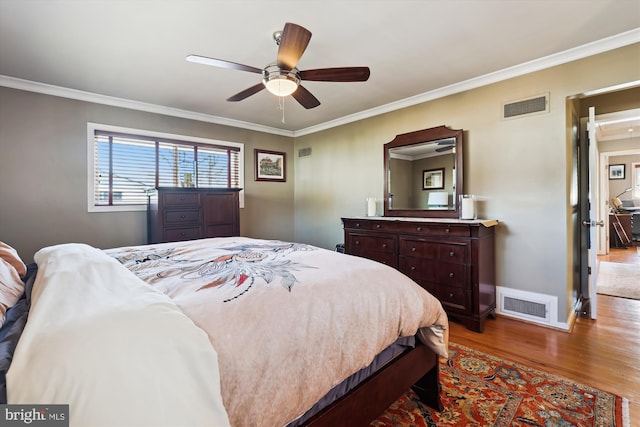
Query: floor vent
x,y
304,152
526,305
536,105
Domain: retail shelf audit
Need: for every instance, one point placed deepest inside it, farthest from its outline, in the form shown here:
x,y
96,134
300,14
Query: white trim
x,y
589,49
113,101
92,127
550,301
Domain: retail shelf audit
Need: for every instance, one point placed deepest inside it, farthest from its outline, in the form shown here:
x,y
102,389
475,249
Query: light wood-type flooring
x,y
602,353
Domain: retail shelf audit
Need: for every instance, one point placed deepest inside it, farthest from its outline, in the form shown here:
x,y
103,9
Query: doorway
x,y
617,140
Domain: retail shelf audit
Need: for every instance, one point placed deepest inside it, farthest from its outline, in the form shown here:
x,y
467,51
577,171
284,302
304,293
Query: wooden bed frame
x,y
416,368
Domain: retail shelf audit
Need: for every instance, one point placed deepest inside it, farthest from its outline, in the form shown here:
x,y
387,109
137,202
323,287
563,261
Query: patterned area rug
x,y
619,280
482,390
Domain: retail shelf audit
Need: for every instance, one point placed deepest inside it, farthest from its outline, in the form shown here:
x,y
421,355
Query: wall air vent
x,y
531,306
524,107
304,152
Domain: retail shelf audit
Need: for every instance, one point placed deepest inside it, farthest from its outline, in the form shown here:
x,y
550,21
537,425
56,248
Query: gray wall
x,y
520,169
43,174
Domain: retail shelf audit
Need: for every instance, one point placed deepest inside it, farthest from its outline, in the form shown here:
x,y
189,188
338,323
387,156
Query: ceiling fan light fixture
x,y
280,82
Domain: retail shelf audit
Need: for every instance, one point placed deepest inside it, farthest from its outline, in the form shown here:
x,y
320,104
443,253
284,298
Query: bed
x,y
224,331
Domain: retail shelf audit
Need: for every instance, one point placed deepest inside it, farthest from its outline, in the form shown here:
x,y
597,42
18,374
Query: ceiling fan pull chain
x,y
281,105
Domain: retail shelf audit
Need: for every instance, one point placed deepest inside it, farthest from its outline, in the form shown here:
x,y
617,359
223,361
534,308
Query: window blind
x,y
127,166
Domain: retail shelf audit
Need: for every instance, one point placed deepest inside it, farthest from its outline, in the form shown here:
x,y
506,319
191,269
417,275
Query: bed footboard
x,y
416,368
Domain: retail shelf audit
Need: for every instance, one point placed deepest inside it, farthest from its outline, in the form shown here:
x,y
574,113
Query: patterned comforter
x,y
287,321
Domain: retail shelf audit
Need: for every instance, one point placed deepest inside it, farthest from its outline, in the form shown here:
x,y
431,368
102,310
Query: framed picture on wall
x,y
433,179
270,165
616,171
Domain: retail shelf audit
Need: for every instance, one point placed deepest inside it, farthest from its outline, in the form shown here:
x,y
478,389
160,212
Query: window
x,y
126,164
635,180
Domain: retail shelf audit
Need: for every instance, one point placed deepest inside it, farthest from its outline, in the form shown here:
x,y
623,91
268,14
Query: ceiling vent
x,y
304,152
525,107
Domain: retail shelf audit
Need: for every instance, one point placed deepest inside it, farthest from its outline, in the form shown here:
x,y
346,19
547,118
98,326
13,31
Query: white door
x,y
594,222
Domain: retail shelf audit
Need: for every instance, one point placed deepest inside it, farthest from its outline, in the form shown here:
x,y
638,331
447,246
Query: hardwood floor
x,y
602,353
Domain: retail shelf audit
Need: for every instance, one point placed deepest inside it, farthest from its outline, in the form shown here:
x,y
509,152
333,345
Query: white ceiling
x,y
132,53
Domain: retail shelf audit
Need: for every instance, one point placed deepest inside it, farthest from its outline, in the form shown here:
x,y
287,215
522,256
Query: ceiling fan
x,y
282,78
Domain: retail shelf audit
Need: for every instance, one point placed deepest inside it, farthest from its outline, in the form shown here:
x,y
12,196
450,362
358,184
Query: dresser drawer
x,y
181,199
453,298
356,224
178,234
449,230
450,252
172,217
363,243
451,274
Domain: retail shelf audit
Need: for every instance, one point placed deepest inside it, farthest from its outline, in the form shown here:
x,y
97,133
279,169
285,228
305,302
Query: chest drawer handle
x,y
384,245
452,253
357,242
183,234
419,229
446,230
357,225
378,226
451,275
181,198
182,216
413,249
450,295
413,268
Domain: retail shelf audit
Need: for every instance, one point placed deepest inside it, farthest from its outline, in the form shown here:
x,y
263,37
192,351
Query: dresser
x,y
453,260
175,214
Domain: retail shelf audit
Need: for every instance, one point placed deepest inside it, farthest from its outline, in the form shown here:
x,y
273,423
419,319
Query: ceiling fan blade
x,y
246,93
305,98
222,63
293,42
341,74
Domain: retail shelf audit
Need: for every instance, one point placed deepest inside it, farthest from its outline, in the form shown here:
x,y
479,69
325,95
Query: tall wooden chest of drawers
x,y
453,260
175,214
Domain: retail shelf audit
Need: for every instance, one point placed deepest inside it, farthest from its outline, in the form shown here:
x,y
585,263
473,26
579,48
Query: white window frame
x,y
92,127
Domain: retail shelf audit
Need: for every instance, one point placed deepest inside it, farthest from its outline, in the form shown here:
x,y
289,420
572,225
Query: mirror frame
x,y
419,137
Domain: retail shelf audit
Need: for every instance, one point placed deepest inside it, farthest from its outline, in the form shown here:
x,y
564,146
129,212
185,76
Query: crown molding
x,y
80,95
589,49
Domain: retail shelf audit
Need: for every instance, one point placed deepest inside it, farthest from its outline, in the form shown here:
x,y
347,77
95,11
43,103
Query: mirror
x,y
423,173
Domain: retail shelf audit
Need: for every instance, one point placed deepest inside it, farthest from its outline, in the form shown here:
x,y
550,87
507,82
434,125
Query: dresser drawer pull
x,y
384,245
357,225
450,295
446,230
183,233
452,253
357,242
413,249
181,198
182,216
451,275
418,228
378,226
413,268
